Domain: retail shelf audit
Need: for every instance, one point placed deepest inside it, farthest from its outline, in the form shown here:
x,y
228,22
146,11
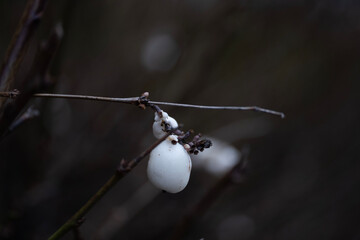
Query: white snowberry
x,y
169,166
160,122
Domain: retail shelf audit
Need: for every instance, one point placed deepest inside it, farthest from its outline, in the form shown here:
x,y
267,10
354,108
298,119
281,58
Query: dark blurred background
x,y
300,57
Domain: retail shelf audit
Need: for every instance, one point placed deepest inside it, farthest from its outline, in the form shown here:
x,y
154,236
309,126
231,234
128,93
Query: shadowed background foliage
x,y
300,57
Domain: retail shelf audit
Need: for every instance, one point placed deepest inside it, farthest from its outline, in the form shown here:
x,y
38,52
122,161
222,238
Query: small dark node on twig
x,y
123,167
10,94
143,101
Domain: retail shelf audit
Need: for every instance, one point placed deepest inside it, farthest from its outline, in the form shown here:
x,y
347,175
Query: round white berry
x,y
169,166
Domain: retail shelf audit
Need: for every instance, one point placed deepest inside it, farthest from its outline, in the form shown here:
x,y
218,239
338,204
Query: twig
x,y
235,175
135,100
122,214
245,108
130,100
124,168
27,26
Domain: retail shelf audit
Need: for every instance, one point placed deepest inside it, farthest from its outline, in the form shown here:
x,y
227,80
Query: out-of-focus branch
x,y
135,100
120,215
37,80
235,175
10,94
124,168
27,26
30,113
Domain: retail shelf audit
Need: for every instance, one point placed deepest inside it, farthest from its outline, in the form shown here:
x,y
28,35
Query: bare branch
x,y
127,210
130,100
124,168
245,108
135,100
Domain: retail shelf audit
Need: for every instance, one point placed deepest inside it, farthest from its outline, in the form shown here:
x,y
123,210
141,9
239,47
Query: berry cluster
x,y
170,164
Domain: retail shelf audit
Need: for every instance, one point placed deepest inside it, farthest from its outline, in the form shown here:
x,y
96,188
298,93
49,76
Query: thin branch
x,y
135,100
27,26
124,168
245,108
130,100
127,210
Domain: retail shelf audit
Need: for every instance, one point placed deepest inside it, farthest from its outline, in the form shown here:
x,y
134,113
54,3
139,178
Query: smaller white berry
x,y
160,122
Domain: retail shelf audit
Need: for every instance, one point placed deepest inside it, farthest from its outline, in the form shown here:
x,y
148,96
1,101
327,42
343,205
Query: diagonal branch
x,y
124,168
